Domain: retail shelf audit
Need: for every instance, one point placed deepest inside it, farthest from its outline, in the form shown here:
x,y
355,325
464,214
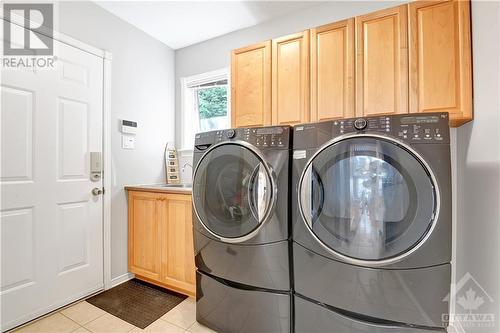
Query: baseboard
x,y
120,279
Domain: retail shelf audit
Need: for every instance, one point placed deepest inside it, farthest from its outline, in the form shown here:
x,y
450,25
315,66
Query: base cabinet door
x,y
382,62
251,85
440,59
161,249
177,261
290,68
144,230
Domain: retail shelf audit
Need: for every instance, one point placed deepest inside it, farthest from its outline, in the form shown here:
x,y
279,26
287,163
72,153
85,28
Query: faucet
x,y
187,164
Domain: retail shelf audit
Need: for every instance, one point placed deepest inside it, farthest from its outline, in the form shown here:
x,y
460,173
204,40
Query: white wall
x,y
143,91
478,165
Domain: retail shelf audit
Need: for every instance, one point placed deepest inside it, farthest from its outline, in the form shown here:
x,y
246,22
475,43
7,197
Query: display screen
x,y
419,120
272,130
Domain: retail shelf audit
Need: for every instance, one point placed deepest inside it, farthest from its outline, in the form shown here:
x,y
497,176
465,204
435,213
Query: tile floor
x,y
83,317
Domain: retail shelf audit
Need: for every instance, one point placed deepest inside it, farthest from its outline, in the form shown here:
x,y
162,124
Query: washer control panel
x,y
276,137
429,127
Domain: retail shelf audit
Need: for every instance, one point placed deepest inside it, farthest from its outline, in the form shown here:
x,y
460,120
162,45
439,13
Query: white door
x,y
51,223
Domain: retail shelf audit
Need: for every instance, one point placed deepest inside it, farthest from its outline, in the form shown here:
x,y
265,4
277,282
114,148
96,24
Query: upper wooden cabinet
x,y
332,71
440,59
382,62
406,59
290,79
251,85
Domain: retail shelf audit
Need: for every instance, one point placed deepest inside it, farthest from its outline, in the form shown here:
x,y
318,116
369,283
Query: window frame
x,y
189,127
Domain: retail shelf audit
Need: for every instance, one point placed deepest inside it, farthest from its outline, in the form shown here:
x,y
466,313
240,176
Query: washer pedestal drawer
x,y
314,318
263,266
410,296
224,307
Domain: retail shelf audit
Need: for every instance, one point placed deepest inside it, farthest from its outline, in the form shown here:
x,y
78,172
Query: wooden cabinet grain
x,y
382,62
177,263
332,71
251,85
143,236
160,246
411,58
440,59
290,79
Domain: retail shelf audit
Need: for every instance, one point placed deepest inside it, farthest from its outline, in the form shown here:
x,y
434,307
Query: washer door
x,y
233,191
368,199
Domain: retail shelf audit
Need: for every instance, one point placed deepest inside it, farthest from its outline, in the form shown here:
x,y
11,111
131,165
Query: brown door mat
x,y
137,302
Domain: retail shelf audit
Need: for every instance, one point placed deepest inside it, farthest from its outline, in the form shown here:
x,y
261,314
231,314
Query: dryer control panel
x,y
270,137
411,128
431,128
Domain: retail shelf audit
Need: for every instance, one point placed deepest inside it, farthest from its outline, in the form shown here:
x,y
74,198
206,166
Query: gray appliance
x,y
371,215
241,229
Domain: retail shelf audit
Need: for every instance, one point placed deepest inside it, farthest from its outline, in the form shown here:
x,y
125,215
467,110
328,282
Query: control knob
x,y
231,133
360,123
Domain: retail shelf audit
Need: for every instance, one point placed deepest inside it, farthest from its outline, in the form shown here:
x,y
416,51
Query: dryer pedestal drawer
x,y
228,308
263,266
314,318
412,296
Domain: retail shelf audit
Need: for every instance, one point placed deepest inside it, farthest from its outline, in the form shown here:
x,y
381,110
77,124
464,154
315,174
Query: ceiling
x,y
183,23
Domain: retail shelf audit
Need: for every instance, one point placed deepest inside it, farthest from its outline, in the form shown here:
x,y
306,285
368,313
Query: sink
x,y
177,185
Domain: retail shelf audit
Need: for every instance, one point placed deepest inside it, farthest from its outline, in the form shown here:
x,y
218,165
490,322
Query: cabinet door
x,y
144,228
291,79
332,71
440,59
382,62
177,262
251,85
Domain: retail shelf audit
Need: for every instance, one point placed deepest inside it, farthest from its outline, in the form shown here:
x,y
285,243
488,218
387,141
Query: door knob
x,y
97,191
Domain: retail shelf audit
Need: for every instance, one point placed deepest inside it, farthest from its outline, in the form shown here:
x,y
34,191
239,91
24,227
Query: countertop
x,y
162,188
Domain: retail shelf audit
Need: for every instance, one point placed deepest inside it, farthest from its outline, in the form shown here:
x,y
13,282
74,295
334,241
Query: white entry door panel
x,y
51,224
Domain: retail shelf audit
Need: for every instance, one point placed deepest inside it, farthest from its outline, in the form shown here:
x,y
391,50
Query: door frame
x,y
107,57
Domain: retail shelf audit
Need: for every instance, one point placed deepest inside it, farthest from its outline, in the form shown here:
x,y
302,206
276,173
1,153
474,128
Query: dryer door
x,y
368,199
233,191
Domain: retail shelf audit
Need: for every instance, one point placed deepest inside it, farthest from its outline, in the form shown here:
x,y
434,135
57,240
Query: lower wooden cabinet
x,y
160,246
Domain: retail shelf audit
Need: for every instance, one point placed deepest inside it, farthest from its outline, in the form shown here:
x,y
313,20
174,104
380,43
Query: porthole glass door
x,y
367,198
232,191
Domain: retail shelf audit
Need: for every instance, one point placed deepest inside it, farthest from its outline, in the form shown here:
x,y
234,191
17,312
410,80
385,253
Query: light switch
x,y
128,142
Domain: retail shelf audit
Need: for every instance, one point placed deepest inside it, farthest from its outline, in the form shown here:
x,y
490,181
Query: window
x,y
205,104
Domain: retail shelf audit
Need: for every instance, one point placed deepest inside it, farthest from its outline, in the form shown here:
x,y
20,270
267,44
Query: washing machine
x,y
371,213
241,229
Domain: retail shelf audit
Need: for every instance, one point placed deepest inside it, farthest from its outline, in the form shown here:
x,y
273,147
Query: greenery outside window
x,y
205,105
211,105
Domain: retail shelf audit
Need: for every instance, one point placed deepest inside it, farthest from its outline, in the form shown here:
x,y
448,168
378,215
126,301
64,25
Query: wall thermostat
x,y
129,127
